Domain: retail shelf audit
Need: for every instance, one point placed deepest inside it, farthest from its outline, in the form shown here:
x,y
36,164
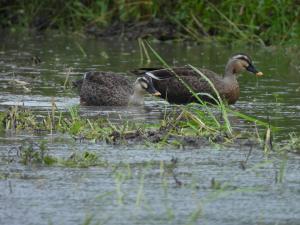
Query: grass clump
x,y
37,153
293,143
82,160
19,118
184,121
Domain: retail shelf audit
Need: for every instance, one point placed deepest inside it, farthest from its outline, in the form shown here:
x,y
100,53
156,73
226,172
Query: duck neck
x,y
230,73
137,98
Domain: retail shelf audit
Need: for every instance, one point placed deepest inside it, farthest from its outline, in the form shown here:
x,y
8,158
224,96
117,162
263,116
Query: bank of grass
x,y
264,22
191,125
184,121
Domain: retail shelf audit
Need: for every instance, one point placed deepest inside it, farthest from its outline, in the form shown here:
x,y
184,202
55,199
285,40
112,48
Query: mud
x,y
164,137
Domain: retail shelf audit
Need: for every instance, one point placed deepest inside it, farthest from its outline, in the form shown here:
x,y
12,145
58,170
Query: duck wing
x,y
158,73
174,82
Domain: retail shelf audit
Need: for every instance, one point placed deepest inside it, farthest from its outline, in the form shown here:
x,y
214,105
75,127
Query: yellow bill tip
x,y
259,74
157,93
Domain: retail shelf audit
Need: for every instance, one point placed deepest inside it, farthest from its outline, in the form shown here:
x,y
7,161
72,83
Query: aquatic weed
x,y
36,153
82,160
19,118
292,144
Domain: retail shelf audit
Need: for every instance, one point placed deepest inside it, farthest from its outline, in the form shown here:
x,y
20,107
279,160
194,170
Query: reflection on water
x,y
136,187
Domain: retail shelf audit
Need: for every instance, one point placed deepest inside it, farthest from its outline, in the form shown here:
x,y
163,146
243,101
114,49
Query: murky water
x,y
136,189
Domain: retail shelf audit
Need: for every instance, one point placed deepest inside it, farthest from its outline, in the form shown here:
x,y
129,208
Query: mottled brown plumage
x,y
174,91
112,89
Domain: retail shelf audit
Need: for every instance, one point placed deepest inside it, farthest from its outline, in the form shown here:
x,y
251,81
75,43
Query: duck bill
x,y
157,93
259,74
151,89
252,69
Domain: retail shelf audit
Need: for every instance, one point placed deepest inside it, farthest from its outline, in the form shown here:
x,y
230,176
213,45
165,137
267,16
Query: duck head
x,y
141,86
239,63
145,85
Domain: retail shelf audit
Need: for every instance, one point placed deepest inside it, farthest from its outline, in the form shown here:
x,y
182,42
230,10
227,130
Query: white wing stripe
x,y
153,76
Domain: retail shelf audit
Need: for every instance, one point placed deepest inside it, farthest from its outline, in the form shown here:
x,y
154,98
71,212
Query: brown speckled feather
x,y
105,89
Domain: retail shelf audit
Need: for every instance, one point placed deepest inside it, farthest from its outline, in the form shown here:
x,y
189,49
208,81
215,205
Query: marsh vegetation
x,y
62,163
262,22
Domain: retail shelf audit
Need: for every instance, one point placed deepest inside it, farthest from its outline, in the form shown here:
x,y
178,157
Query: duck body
x,y
112,89
174,91
105,89
170,82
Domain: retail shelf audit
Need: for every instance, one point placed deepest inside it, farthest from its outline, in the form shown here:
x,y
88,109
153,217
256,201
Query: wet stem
x,y
140,193
67,78
119,179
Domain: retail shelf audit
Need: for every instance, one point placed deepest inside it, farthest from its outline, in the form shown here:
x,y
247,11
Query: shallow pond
x,y
138,187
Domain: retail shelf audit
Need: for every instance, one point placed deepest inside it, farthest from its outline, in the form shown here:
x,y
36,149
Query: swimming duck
x,y
113,89
173,90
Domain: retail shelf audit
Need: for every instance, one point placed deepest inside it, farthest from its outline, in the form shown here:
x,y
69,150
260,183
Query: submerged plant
x,y
36,153
18,118
268,141
293,143
83,160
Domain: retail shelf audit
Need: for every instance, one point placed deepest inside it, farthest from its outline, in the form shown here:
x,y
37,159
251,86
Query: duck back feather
x,y
174,91
105,89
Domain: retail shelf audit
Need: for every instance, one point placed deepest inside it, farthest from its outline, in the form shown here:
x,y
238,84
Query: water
x,y
135,189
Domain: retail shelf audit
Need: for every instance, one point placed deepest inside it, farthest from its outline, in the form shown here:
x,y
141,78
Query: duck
x,y
102,88
169,81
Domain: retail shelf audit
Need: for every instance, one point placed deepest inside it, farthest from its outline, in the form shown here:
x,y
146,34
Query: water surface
x,y
137,187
